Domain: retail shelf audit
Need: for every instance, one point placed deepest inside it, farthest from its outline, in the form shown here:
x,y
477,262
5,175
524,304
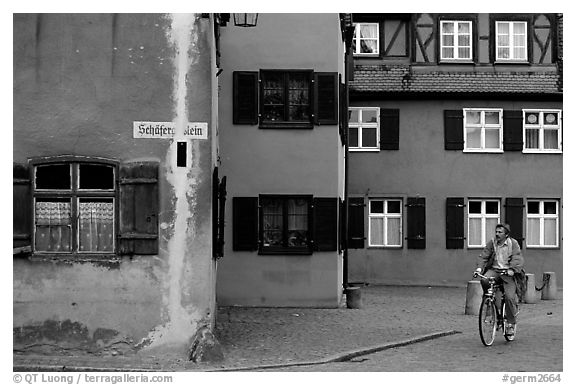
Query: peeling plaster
x,y
182,319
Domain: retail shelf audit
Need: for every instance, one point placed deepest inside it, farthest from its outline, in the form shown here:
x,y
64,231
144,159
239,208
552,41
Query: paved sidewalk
x,y
262,337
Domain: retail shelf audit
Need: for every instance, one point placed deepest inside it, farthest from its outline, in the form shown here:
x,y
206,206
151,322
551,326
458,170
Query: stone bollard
x,y
549,285
353,297
530,296
473,297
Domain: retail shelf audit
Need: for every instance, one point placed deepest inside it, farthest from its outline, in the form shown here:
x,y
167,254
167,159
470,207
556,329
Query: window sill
x,y
284,252
542,151
286,125
456,61
543,247
514,62
68,258
386,247
473,151
367,55
359,149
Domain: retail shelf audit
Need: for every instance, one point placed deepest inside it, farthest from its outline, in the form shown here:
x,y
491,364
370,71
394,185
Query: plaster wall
x,y
422,167
80,81
279,161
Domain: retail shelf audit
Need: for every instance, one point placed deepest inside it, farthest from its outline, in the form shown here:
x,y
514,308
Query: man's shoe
x,y
511,330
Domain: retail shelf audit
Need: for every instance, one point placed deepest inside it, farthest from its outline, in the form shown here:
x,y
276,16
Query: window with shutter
x,y
356,235
245,104
453,130
455,223
21,209
416,216
139,208
514,217
389,129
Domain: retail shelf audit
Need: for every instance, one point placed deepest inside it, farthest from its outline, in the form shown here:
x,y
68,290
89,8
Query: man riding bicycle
x,y
502,259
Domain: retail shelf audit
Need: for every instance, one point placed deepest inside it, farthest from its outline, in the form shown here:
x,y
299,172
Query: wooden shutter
x,y
416,215
513,138
455,223
138,208
245,104
343,113
218,214
453,130
515,218
245,223
21,209
389,128
356,223
325,233
326,98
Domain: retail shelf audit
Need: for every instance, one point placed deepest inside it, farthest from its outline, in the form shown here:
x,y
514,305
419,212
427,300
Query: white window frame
x,y
359,125
541,127
385,217
482,216
455,47
483,126
358,39
541,216
511,46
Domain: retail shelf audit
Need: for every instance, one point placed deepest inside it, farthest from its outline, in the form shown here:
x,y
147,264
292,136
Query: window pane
x,y
448,53
520,28
551,139
532,138
503,53
298,113
549,207
492,139
473,137
475,231
531,118
448,40
551,118
490,227
353,138
369,137
377,231
533,231
502,28
393,232
464,40
519,52
549,232
472,117
377,207
96,225
464,28
447,27
369,116
53,176
368,46
93,176
492,207
393,207
53,225
368,31
533,207
492,117
463,53
297,222
474,207
272,222
353,115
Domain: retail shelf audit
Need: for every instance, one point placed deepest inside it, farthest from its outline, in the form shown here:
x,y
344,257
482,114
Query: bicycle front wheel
x,y
487,321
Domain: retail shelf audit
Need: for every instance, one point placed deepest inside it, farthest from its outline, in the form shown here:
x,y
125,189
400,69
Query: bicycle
x,y
490,318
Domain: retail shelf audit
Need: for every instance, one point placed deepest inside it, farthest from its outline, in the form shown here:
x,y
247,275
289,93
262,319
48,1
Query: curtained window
x,y
74,208
542,223
285,223
366,39
542,130
483,216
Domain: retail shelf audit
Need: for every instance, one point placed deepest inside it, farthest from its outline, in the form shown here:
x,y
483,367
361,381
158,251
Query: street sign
x,y
167,130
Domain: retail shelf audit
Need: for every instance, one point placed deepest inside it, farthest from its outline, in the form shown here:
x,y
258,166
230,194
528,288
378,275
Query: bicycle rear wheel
x,y
487,321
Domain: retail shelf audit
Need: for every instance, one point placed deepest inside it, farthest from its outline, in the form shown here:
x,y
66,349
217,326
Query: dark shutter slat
x,y
343,113
455,223
389,128
326,98
21,207
325,224
138,209
416,213
453,130
513,138
245,103
245,223
515,218
356,235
